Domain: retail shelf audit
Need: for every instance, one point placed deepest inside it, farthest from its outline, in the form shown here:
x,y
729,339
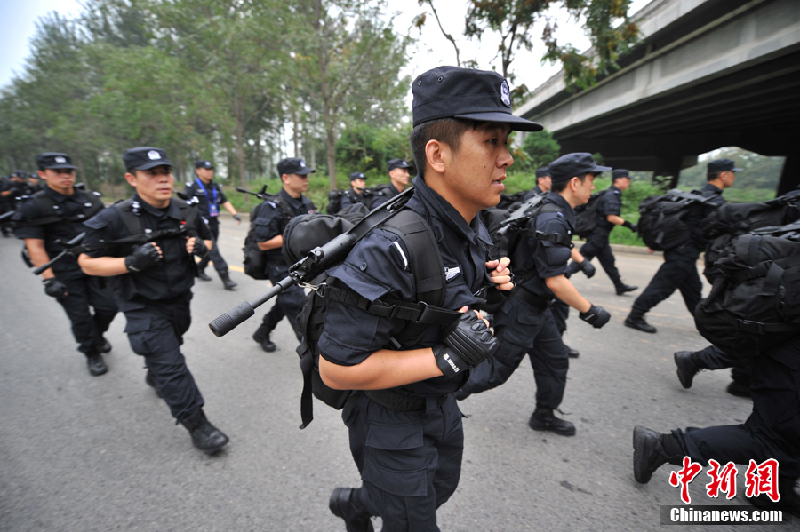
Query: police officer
x,y
543,183
15,188
597,244
679,271
269,222
153,281
559,309
398,181
6,203
210,198
354,194
771,431
86,299
525,324
34,185
405,429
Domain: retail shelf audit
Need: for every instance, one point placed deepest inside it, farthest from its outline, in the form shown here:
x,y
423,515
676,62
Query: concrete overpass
x,y
705,75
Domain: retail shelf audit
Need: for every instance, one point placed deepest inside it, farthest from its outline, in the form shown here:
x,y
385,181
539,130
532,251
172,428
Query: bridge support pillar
x,y
790,174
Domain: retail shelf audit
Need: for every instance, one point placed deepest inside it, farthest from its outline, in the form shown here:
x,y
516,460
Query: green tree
x,y
605,21
540,149
349,58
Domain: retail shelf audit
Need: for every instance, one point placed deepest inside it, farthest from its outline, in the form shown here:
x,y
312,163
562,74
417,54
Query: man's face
x,y
62,178
355,183
399,176
153,185
727,178
295,184
622,183
583,189
476,172
205,174
545,183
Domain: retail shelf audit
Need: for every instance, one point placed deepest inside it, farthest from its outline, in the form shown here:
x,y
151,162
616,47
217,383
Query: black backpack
x,y
754,303
586,215
313,230
734,219
255,259
662,223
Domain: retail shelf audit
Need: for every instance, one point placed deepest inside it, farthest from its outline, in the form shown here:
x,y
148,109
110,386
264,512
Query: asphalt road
x,y
82,453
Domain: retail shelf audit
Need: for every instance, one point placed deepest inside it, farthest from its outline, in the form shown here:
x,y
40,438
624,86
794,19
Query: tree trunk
x,y
240,148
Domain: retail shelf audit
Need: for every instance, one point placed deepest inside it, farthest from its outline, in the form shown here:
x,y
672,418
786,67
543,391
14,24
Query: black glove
x,y
55,288
142,258
200,249
237,217
630,226
596,317
469,343
588,268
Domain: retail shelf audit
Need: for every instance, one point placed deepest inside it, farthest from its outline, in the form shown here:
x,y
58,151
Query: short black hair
x,y
711,176
559,187
448,130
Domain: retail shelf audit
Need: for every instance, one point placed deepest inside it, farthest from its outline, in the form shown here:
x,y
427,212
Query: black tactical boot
x,y
622,288
226,281
205,436
738,389
789,501
201,274
571,353
151,381
104,346
685,368
543,419
649,453
635,320
97,366
261,337
344,507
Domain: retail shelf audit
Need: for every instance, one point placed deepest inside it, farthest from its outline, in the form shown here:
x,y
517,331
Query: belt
x,y
401,402
532,299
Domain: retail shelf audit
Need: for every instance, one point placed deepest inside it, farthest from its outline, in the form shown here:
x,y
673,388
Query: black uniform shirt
x,y
74,207
386,194
169,278
610,203
270,220
350,197
534,261
194,190
379,266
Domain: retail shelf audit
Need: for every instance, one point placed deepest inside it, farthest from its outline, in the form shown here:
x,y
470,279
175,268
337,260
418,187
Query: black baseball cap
x,y
293,165
542,172
19,173
54,161
454,92
203,164
619,173
357,175
397,163
572,165
722,165
144,158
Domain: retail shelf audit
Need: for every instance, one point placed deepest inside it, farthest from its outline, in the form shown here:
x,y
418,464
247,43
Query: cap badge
x,y
153,155
59,159
302,164
505,95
